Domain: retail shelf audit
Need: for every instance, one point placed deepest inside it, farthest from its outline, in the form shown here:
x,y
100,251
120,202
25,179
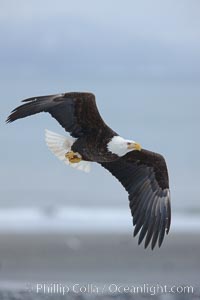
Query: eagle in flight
x,y
141,172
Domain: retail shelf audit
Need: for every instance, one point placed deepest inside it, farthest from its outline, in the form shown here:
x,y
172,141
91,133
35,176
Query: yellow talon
x,y
73,157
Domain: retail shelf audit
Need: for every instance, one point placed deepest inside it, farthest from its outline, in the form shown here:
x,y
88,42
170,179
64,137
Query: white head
x,y
120,146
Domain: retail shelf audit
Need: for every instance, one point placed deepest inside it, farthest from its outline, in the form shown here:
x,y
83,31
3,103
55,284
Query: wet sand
x,y
99,260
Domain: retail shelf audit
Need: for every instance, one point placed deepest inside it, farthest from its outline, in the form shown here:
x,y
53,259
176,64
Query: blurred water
x,y
73,220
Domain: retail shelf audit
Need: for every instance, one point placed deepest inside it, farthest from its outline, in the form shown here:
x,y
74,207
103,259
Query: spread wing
x,y
76,112
144,176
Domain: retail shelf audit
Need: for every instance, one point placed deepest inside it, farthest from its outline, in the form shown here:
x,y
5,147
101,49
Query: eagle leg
x,y
73,157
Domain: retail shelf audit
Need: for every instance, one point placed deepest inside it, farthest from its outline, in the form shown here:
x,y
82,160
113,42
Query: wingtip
x,y
139,241
146,246
147,241
8,120
137,229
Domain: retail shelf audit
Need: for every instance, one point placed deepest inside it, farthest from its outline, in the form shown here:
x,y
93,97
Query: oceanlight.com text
x,y
113,288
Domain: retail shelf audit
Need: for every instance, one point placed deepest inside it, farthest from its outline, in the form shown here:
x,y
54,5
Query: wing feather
x,y
76,112
144,175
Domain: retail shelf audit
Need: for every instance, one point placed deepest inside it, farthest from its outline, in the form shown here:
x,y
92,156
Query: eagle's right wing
x,y
76,112
144,176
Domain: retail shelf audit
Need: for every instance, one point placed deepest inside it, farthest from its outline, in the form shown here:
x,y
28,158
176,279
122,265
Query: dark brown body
x,y
95,149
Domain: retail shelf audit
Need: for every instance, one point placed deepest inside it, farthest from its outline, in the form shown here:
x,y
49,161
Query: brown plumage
x,y
142,173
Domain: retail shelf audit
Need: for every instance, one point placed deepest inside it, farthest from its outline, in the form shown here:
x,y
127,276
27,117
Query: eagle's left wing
x,y
144,175
76,112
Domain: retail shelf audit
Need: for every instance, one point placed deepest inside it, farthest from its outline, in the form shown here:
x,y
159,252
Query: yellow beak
x,y
135,146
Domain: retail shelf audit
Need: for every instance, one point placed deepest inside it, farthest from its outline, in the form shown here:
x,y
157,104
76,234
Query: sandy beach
x,y
29,262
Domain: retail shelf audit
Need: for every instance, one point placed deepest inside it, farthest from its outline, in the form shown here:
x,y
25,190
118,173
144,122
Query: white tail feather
x,y
60,145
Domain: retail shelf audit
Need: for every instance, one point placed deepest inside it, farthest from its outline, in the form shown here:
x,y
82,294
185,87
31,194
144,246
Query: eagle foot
x,y
73,157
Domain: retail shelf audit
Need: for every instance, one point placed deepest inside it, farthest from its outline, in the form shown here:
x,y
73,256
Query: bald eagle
x,y
142,173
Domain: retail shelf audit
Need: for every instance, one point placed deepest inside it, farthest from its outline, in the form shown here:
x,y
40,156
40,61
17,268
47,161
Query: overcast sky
x,y
140,58
101,39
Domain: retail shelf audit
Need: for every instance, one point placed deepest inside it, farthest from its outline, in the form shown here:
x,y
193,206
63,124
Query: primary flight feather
x,y
142,173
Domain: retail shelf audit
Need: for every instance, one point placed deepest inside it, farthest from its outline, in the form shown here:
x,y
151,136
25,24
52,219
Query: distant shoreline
x,y
75,220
